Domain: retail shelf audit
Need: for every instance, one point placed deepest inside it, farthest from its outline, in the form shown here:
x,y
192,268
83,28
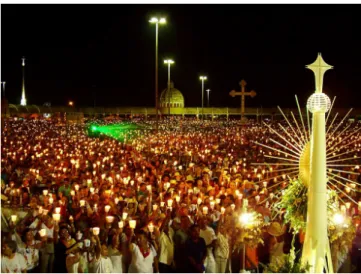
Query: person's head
x,y
28,235
202,223
104,250
64,232
194,231
8,248
184,222
142,238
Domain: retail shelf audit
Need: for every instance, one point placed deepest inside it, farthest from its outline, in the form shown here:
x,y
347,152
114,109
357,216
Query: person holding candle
x,y
210,238
47,251
102,263
143,255
30,251
222,248
115,253
166,246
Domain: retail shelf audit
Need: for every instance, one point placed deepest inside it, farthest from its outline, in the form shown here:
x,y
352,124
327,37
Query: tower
x,y
23,98
316,245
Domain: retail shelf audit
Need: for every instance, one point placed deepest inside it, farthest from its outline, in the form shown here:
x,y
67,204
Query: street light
x,y
156,21
208,90
203,78
168,62
3,86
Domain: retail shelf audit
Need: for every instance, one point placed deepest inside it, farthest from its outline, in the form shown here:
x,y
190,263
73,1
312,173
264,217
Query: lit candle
x,y
257,198
162,204
218,201
71,218
348,205
170,202
199,201
82,203
72,193
109,219
14,218
96,231
121,224
233,206
91,190
212,204
177,198
155,207
132,224
107,208
223,210
57,210
45,192
51,200
76,187
56,217
205,210
124,215
116,200
42,232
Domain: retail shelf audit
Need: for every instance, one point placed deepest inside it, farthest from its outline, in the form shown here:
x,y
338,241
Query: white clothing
x,y
166,245
117,260
139,264
31,255
14,265
222,247
71,268
103,265
49,231
209,236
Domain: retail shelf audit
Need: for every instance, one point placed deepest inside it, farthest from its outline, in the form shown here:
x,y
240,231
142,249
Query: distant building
x,y
174,98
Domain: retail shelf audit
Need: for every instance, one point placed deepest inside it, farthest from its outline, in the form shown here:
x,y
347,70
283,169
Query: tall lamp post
x,y
156,21
3,87
203,78
168,62
208,90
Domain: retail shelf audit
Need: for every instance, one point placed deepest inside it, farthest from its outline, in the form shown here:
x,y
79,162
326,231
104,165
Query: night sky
x,y
106,52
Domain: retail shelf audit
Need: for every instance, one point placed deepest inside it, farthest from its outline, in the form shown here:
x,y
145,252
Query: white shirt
x,y
117,260
208,235
103,265
71,268
139,264
166,244
14,265
31,255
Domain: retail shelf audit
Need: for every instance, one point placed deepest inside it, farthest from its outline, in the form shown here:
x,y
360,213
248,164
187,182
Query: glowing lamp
x,y
318,102
338,218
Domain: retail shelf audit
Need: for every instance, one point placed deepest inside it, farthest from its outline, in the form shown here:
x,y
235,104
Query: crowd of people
x,y
166,201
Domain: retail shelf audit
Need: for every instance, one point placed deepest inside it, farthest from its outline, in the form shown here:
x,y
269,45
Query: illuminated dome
x,y
318,102
174,97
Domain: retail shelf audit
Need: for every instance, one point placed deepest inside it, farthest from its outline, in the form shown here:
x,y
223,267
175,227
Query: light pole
x,y
168,62
203,78
3,86
208,90
156,21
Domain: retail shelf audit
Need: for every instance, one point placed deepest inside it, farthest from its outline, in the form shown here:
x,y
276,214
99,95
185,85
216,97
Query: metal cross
x,y
243,94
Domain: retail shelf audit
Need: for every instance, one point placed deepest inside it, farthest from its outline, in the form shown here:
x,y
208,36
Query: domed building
x,y
174,98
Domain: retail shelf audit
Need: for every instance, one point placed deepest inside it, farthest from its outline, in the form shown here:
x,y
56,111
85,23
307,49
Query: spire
x,y
23,98
319,67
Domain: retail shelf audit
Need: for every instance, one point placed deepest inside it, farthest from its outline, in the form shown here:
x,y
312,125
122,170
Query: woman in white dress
x,y
116,255
143,255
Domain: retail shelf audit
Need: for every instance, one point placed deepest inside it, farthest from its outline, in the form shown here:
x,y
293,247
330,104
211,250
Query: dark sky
x,y
76,51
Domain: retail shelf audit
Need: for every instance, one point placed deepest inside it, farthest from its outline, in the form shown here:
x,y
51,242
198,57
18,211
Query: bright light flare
x,y
338,219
